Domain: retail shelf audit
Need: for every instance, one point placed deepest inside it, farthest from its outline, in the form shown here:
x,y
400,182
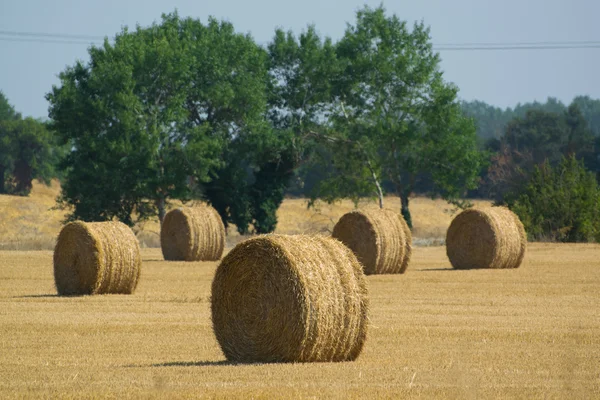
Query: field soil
x,y
532,332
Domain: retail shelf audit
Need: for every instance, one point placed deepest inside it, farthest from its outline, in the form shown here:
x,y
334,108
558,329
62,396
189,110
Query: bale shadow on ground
x,y
436,269
188,364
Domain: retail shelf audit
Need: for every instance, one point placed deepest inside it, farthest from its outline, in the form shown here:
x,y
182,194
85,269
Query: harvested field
x,y
435,332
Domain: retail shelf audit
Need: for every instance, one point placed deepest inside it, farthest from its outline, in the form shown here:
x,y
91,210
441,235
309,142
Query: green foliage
x,y
7,111
27,152
539,136
152,111
590,109
560,203
393,115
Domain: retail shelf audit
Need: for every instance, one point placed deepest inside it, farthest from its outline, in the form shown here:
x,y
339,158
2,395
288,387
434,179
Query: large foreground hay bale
x,y
491,237
96,258
192,234
282,298
380,239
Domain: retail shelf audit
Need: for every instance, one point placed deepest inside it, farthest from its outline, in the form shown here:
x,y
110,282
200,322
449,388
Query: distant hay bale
x,y
279,298
491,237
380,239
192,234
96,258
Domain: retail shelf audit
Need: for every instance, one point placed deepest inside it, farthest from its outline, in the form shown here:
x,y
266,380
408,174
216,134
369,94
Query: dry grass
x,y
28,223
491,237
380,239
192,234
96,258
290,298
435,332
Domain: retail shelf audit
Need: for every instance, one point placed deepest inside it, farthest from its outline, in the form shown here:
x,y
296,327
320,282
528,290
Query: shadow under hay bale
x,y
492,237
192,234
279,298
96,258
380,239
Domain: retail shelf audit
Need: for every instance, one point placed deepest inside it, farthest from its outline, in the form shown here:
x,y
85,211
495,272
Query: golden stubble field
x,y
533,332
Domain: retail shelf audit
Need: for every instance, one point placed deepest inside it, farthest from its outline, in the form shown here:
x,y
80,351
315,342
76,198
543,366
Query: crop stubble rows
x,y
435,332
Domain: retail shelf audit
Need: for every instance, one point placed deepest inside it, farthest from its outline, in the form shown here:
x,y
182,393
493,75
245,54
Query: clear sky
x,y
502,78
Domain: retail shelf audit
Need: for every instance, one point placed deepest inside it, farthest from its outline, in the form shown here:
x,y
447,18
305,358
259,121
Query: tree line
x,y
183,109
186,110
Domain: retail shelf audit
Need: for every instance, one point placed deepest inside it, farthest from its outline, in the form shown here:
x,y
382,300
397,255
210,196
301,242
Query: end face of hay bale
x,y
380,239
96,258
192,234
492,237
282,298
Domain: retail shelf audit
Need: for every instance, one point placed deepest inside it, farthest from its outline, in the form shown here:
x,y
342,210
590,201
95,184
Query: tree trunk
x,y
405,210
379,191
23,174
375,181
2,173
161,206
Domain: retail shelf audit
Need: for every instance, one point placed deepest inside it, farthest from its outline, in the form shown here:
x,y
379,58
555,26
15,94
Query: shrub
x,y
560,203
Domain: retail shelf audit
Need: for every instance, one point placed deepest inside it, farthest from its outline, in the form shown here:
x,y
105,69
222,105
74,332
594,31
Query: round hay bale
x,y
492,237
192,234
96,258
279,298
380,239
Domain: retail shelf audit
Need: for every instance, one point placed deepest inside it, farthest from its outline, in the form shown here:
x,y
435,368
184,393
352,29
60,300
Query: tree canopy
x,y
151,114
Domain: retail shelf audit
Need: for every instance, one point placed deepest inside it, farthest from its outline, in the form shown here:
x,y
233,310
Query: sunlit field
x,y
533,332
33,222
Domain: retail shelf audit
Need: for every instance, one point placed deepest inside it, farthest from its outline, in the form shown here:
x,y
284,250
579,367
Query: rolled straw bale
x,y
380,239
491,237
192,234
279,298
96,258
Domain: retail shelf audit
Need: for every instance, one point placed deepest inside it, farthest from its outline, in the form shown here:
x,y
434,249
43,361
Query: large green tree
x,y
394,116
259,170
153,112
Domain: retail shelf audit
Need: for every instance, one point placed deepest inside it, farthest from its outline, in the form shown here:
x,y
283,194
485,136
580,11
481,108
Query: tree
x,y
7,111
27,152
560,202
151,112
538,137
590,108
396,116
259,168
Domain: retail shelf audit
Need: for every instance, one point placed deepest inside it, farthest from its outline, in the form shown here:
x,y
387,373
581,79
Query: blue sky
x,y
503,78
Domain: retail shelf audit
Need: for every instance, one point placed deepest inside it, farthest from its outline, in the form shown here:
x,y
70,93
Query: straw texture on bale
x,y
96,258
279,298
192,234
380,239
492,237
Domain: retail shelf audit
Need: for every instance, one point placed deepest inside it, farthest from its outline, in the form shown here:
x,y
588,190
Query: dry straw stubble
x,y
279,298
491,237
96,258
192,234
380,239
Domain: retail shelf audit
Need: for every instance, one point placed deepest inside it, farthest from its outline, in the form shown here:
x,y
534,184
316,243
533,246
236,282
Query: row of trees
x,y
492,121
184,110
181,109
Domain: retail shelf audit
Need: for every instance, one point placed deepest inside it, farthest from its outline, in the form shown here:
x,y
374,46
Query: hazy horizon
x,y
502,78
